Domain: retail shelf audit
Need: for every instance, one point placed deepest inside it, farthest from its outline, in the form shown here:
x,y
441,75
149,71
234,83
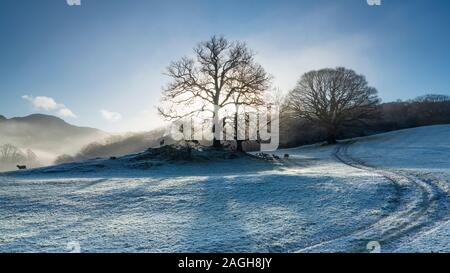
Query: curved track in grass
x,y
421,204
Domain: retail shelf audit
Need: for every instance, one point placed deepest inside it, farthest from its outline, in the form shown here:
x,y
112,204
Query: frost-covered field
x,y
320,199
422,154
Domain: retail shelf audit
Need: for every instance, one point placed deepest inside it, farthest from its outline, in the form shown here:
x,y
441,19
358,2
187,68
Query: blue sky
x,y
100,64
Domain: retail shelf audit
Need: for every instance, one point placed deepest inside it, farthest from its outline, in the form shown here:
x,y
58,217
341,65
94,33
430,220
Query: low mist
x,y
37,140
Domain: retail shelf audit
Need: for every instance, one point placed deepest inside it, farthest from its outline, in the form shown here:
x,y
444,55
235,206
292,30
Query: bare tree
x,y
208,82
11,154
333,98
252,82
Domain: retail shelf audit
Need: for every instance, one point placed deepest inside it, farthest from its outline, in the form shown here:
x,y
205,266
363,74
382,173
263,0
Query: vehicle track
x,y
422,203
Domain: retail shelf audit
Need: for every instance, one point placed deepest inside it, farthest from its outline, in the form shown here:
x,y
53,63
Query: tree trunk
x,y
238,141
188,150
331,135
216,143
239,147
216,131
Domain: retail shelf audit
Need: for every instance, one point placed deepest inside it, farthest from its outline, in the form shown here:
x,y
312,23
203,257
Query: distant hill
x,y
48,136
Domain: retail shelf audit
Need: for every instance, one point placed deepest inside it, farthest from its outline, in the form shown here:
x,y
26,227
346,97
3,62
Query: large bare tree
x,y
212,80
333,98
251,84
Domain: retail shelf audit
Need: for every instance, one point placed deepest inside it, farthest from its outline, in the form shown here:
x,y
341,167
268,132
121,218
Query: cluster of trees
x,y
425,110
10,156
224,73
296,127
325,105
222,77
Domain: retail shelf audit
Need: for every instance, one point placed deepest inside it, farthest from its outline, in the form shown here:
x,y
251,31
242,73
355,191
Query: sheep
x,y
286,156
21,167
276,157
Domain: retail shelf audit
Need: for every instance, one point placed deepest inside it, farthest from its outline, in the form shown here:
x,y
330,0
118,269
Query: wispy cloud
x,y
110,116
288,64
289,49
66,112
42,102
49,104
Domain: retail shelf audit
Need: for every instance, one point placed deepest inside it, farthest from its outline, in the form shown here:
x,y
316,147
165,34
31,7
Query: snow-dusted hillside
x,y
422,155
334,198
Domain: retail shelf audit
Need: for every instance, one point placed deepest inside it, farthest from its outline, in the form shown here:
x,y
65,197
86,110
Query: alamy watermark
x,y
374,247
374,2
73,247
248,124
73,2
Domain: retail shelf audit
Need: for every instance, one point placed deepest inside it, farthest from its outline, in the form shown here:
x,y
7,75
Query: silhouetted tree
x,y
206,83
251,85
333,98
